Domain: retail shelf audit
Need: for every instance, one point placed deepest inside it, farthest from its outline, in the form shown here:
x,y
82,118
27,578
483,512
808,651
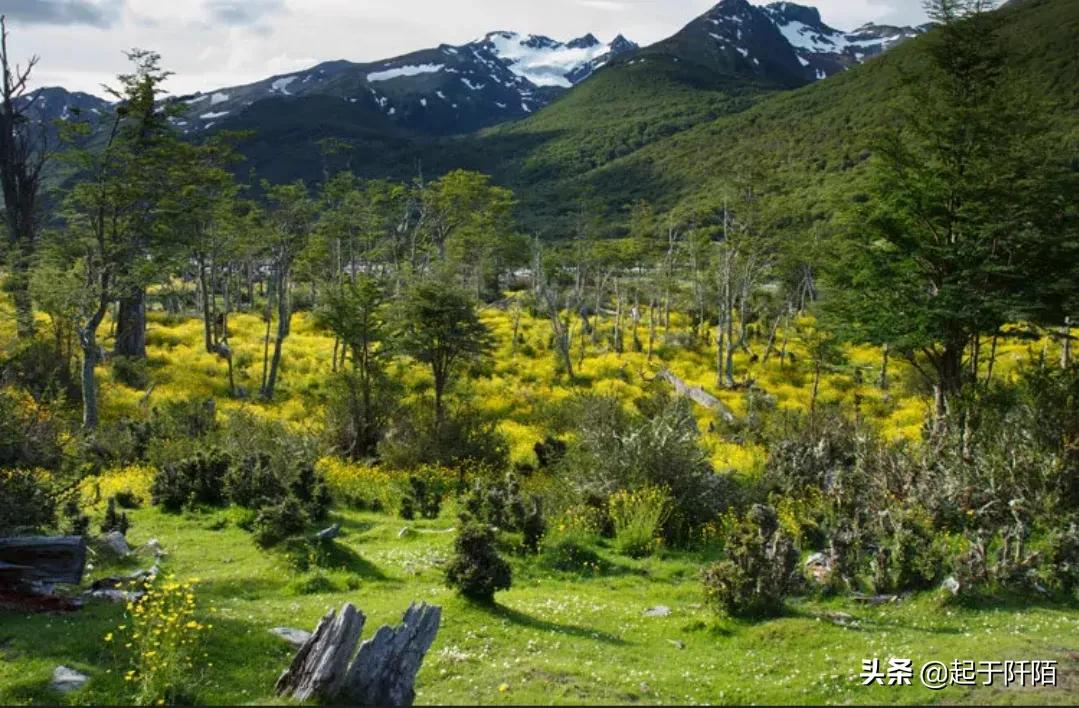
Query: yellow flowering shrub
x,y
134,479
160,637
638,517
359,485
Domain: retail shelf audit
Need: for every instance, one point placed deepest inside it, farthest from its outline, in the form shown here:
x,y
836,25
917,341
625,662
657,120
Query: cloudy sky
x,y
216,43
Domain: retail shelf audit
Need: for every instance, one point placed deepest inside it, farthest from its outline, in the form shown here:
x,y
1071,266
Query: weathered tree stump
x,y
383,671
320,666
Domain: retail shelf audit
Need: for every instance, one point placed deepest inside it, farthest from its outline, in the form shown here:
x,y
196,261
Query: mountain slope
x,y
783,43
814,139
442,91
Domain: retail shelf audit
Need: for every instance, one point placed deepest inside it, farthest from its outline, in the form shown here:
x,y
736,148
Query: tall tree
x,y
962,231
292,219
438,326
354,311
24,151
152,145
112,211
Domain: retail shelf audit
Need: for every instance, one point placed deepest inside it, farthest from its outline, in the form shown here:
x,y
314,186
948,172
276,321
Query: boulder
x,y
67,680
116,541
658,611
295,637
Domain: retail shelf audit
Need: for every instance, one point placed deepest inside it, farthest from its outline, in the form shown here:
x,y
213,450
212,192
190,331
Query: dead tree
x,y
24,152
696,394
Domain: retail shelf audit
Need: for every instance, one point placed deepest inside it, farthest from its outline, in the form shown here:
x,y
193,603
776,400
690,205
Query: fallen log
x,y
696,394
60,559
384,670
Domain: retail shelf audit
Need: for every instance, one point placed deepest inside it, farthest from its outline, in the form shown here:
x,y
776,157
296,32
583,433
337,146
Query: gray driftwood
x,y
321,664
696,394
383,671
60,559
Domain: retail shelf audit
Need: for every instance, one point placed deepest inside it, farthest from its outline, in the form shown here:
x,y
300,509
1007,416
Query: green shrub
x,y
126,499
421,497
38,367
275,523
75,522
30,435
114,520
199,479
476,570
26,503
311,490
571,555
130,371
355,423
193,417
908,556
461,440
615,451
253,483
638,519
759,570
533,526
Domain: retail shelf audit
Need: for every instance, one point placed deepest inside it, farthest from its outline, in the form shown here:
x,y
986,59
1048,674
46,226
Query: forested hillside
x,y
810,143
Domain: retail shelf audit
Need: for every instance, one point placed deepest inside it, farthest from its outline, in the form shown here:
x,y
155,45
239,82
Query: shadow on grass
x,y
521,619
337,556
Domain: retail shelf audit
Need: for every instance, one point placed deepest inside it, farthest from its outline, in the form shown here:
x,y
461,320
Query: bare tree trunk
x,y
88,343
284,320
618,343
651,328
19,284
882,381
992,360
1066,344
131,325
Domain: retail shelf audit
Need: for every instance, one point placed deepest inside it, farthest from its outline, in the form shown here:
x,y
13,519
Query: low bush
x,y
422,497
310,489
26,502
114,520
476,570
31,437
199,479
615,451
278,522
759,569
130,371
461,440
638,519
571,555
253,483
160,637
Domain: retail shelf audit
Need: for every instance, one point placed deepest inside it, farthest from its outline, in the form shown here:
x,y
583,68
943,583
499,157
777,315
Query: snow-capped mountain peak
x,y
784,42
546,62
444,90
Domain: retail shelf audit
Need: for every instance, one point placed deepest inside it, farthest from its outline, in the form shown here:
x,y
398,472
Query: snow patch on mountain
x,y
281,85
408,70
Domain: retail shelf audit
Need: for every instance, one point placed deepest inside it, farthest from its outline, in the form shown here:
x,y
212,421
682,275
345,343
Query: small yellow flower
x,y
503,688
108,637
